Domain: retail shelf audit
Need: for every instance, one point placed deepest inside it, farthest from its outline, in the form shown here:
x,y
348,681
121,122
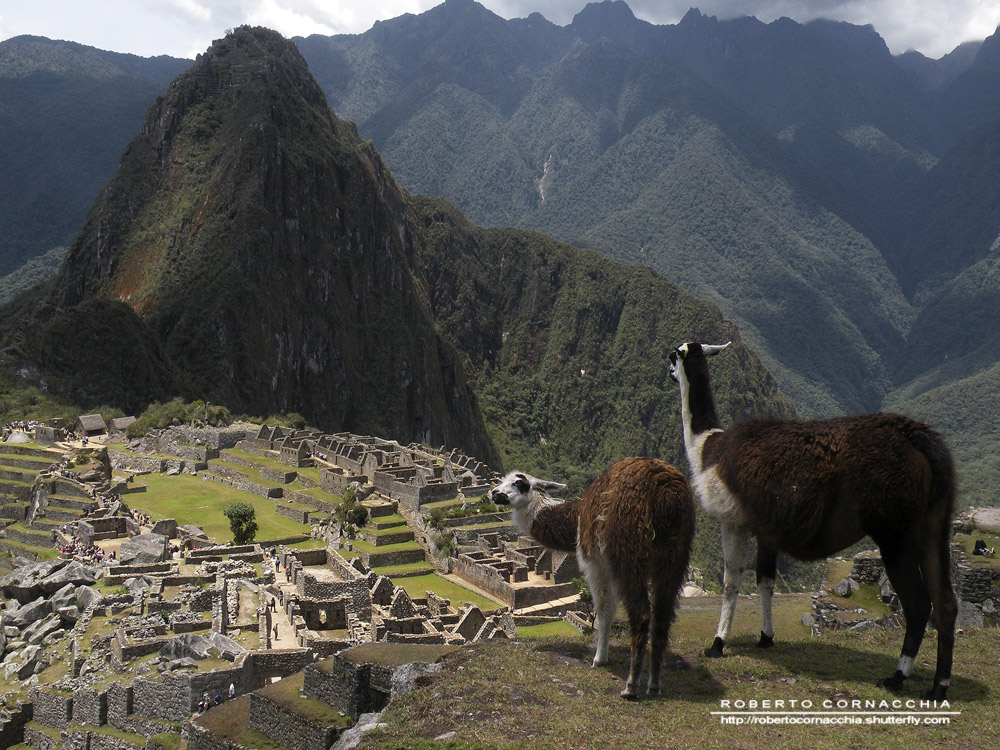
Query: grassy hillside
x,y
964,409
542,694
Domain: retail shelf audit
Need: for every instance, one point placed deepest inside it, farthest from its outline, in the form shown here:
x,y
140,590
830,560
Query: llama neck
x,y
697,409
552,524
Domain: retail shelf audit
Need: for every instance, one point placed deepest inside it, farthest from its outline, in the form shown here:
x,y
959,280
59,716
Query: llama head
x,y
692,350
518,490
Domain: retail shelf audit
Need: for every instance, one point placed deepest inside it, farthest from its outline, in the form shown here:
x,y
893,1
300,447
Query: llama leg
x,y
935,567
735,543
631,587
904,575
668,577
767,570
605,602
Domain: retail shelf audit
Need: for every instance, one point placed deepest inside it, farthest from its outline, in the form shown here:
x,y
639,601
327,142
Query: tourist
x,y
275,631
232,690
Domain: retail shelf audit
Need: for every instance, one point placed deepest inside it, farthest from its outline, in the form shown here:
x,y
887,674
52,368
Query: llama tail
x,y
943,481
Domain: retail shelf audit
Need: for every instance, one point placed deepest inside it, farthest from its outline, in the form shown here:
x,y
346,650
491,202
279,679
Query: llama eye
x,y
522,486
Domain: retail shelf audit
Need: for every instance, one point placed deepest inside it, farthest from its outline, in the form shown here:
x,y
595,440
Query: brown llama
x,y
632,527
812,488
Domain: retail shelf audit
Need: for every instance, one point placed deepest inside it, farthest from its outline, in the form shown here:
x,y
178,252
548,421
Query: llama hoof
x,y
766,641
653,690
597,662
715,650
936,693
894,683
629,694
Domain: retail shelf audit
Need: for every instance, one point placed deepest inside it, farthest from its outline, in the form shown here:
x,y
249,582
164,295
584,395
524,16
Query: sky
x,y
185,28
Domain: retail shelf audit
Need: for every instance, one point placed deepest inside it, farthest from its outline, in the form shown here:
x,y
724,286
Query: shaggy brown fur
x,y
810,489
633,527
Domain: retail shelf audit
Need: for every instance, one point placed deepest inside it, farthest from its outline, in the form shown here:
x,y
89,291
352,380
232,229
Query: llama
x,y
812,488
633,525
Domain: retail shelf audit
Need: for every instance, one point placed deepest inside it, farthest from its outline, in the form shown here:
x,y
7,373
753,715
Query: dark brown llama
x,y
632,527
812,488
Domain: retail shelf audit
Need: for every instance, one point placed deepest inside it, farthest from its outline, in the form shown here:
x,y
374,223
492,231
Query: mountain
x,y
254,251
610,148
66,113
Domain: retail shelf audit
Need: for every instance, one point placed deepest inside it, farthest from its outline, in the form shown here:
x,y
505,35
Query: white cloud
x,y
187,27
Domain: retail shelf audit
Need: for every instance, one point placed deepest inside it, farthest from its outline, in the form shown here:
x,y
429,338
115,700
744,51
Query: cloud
x,y
187,27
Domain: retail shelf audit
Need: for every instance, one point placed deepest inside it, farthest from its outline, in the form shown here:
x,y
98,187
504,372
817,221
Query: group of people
x,y
91,554
206,703
24,425
981,549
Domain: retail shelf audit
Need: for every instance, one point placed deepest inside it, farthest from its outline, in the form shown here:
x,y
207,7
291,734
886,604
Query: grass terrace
x,y
193,500
494,700
418,586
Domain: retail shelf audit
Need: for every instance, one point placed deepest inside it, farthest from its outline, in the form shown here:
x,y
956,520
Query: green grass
x,y
542,694
287,694
311,543
43,553
418,586
561,629
402,570
358,544
192,500
968,541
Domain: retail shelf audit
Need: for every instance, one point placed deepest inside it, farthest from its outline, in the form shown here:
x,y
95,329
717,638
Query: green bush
x,y
177,411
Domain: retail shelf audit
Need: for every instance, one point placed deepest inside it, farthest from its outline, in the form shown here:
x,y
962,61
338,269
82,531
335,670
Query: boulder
x,y
31,612
69,614
136,585
165,526
74,574
844,588
145,549
64,597
185,663
54,637
190,531
969,615
23,583
87,597
37,631
22,663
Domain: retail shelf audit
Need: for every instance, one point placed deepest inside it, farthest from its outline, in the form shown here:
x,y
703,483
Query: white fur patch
x,y
905,665
716,499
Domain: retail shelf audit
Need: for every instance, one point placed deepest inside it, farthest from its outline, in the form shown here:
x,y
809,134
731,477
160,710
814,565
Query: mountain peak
x,y
609,14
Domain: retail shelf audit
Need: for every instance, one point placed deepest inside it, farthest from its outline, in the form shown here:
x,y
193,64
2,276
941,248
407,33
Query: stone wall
x,y
119,704
241,483
299,515
40,740
51,709
867,567
286,728
355,591
277,475
303,499
336,483
12,728
974,585
90,707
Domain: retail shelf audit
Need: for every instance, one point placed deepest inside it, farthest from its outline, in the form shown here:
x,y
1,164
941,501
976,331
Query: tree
x,y
242,522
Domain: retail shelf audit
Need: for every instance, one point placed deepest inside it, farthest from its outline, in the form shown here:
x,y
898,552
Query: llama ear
x,y
710,350
541,484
